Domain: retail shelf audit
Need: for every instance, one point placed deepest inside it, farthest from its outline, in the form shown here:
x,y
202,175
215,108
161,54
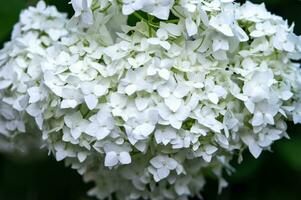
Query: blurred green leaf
x,y
9,15
289,151
245,170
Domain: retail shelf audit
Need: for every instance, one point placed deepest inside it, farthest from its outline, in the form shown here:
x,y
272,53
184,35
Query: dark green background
x,y
274,176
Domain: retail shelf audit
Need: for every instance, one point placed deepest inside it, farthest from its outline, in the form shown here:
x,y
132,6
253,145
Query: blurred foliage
x,y
40,178
274,176
8,16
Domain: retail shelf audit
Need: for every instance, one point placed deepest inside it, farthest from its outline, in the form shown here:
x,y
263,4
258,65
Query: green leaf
x,y
9,15
247,168
290,153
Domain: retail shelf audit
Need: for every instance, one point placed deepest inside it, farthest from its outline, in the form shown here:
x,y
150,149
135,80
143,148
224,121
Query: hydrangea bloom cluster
x,y
146,97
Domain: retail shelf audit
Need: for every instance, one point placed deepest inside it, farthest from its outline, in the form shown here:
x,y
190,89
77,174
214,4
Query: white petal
x,y
163,91
141,103
153,41
76,133
86,87
269,118
250,106
60,155
156,177
191,27
171,164
4,84
130,89
87,17
69,103
81,156
156,162
34,94
241,34
111,159
91,101
163,173
144,129
255,149
181,91
257,119
213,98
207,157
127,9
165,45
101,133
175,123
164,73
162,11
173,103
226,29
151,71
76,67
210,149
286,95
91,129
162,34
73,119
125,158
33,110
253,146
257,33
100,90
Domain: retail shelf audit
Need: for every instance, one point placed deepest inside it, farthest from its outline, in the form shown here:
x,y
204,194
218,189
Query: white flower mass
x,y
145,97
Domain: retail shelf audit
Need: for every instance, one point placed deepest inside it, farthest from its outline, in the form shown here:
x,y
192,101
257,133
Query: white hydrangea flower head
x,y
142,107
